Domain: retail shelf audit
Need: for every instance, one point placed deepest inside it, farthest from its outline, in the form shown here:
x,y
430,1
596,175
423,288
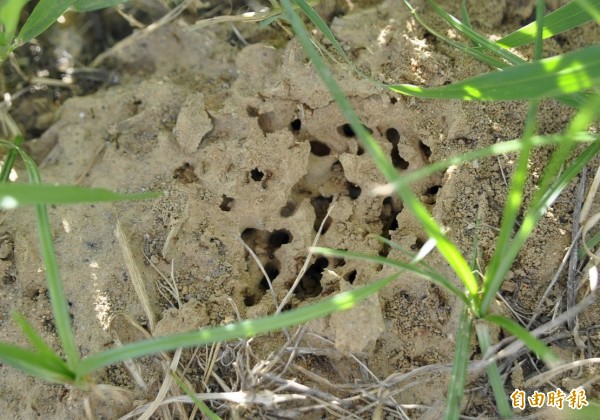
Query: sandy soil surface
x,y
247,145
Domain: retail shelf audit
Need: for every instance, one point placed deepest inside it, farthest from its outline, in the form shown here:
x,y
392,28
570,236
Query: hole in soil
x,y
347,131
397,160
249,300
353,190
296,125
417,245
318,148
185,174
390,209
338,262
266,122
392,135
426,150
310,284
428,196
272,271
360,151
288,210
393,100
433,190
247,235
226,203
256,174
280,237
350,277
321,204
252,111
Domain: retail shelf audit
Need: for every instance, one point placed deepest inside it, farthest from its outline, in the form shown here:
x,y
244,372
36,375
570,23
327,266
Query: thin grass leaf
x,y
321,26
459,367
205,409
43,16
483,337
567,17
432,276
37,342
244,329
9,160
411,255
10,11
15,195
91,5
35,364
494,150
551,77
537,346
464,14
58,300
591,243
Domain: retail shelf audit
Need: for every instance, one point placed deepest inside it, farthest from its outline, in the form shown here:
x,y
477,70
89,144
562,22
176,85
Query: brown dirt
x,y
245,142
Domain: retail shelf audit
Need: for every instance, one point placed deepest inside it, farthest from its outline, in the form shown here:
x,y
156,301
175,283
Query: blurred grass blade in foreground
x,y
16,195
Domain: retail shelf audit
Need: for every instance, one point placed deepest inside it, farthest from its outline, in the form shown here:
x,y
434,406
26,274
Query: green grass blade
x,y
321,26
464,13
567,17
205,409
36,341
35,364
459,367
43,16
551,77
432,276
9,160
448,250
91,5
483,337
58,300
537,346
250,328
10,11
411,255
494,150
14,195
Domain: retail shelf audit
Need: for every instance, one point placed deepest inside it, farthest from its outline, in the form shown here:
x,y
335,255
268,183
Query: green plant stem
x,y
483,337
10,160
458,376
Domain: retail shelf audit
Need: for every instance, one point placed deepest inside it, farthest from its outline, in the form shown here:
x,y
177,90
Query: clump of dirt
x,y
250,150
